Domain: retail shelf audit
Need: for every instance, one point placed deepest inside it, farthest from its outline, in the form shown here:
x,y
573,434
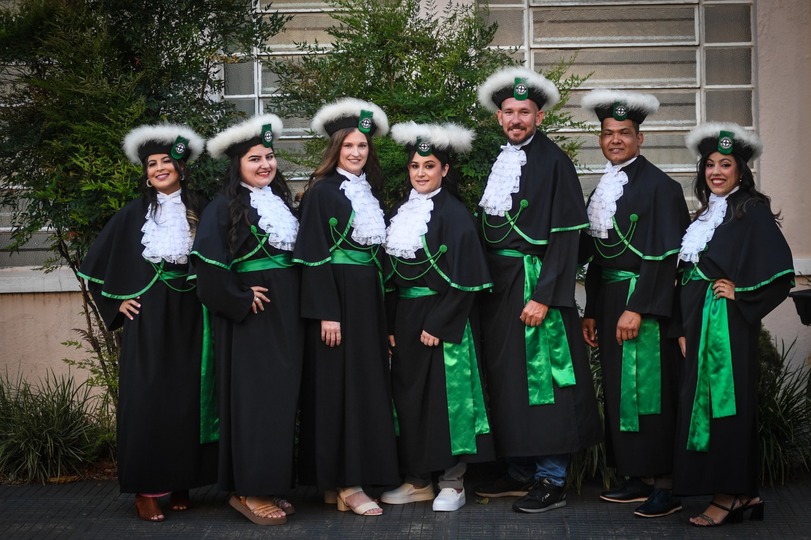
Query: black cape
x,y
158,415
347,428
259,356
418,372
547,227
660,217
753,254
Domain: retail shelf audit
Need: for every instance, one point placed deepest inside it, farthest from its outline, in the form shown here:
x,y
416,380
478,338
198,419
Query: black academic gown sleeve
x,y
322,203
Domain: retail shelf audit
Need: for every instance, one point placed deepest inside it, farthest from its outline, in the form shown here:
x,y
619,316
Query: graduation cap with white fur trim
x,y
726,138
180,142
620,105
519,83
350,113
236,140
430,138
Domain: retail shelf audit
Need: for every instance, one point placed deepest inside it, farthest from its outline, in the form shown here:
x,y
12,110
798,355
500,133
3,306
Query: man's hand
x,y
590,331
628,326
534,313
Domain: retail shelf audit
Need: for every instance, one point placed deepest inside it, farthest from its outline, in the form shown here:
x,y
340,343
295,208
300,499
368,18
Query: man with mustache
x,y
537,371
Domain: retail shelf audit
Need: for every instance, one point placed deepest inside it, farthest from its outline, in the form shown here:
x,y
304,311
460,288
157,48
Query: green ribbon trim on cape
x,y
160,275
415,292
641,379
209,412
547,346
715,386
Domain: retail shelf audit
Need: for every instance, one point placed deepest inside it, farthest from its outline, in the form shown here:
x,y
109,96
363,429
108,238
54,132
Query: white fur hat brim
x,y
711,131
601,101
505,79
244,131
445,137
348,108
162,134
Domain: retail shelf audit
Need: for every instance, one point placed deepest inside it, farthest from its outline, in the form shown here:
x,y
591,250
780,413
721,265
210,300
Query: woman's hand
x,y
723,288
258,298
428,340
590,331
331,333
683,345
130,307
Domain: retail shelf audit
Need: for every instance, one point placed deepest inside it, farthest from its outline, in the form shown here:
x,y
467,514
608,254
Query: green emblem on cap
x,y
619,111
267,136
365,121
520,89
423,148
726,142
180,148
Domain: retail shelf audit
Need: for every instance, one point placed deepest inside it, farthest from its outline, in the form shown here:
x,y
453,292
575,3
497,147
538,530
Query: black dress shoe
x,y
542,497
634,490
660,503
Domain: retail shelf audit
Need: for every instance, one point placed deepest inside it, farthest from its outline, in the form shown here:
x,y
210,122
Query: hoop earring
x,y
148,183
183,177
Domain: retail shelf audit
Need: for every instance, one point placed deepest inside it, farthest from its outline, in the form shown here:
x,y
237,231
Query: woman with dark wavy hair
x,y
137,271
435,267
247,280
347,431
737,267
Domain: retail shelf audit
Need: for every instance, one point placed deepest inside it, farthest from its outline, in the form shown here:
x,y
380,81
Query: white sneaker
x,y
408,493
449,500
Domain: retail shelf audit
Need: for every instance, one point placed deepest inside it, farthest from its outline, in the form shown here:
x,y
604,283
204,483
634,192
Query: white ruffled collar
x,y
504,179
275,218
368,225
404,233
167,235
603,203
701,231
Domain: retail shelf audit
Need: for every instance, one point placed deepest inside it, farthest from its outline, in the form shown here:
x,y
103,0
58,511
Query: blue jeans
x,y
527,469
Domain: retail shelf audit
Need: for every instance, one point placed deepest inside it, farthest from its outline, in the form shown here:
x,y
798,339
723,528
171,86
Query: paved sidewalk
x,y
95,509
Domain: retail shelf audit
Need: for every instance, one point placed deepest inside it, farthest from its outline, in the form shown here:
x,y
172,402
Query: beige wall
x,y
783,111
32,329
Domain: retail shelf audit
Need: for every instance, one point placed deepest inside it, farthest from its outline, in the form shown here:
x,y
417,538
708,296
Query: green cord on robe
x,y
547,346
715,386
641,381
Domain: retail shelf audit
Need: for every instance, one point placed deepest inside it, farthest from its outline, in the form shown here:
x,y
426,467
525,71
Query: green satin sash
x,y
641,379
715,387
467,416
209,413
547,346
271,262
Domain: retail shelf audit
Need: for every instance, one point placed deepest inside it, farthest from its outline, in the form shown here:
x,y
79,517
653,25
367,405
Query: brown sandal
x,y
180,501
147,509
256,514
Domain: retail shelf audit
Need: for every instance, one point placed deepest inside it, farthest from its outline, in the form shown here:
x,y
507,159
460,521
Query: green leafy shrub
x,y
784,413
49,430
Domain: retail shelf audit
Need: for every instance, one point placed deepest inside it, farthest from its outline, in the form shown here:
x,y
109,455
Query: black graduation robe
x,y
651,216
422,393
753,254
158,417
547,213
347,428
258,355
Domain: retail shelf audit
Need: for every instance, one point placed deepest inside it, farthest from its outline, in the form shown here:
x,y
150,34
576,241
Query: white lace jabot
x,y
701,231
603,203
275,218
368,225
166,231
404,233
504,179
